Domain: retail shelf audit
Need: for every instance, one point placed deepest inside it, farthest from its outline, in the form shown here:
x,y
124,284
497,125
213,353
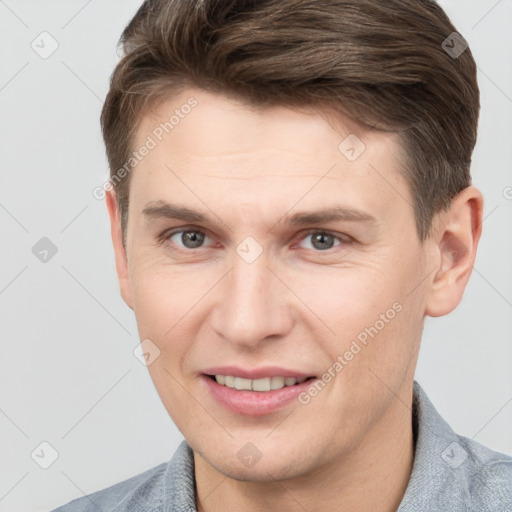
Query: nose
x,y
253,305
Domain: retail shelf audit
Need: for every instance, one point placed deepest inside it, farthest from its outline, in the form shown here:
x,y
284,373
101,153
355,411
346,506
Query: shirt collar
x,y
438,477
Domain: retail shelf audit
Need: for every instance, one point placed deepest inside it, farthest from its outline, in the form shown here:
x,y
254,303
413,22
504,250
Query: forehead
x,y
219,122
271,154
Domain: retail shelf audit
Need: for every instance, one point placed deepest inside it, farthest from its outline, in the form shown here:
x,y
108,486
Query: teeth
x,y
229,381
243,383
277,382
265,384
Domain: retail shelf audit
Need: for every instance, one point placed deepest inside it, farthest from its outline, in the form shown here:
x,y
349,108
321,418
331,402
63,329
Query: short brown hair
x,y
383,63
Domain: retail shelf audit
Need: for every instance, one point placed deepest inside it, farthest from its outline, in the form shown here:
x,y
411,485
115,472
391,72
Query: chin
x,y
273,465
261,472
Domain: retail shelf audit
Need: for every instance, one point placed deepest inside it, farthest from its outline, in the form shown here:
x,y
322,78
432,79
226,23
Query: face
x,y
264,244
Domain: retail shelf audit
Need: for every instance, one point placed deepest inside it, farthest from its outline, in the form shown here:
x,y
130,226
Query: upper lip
x,y
255,373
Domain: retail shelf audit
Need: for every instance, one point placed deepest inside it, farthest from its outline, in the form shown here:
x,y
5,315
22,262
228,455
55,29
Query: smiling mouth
x,y
261,385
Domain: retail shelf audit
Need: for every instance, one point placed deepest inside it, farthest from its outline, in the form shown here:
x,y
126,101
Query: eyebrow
x,y
162,209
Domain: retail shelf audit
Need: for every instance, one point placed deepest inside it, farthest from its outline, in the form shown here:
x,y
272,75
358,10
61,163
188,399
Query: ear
x,y
119,249
456,239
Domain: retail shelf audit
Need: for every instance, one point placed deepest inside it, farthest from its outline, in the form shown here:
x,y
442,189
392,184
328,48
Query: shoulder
x,y
453,472
142,489
163,487
488,474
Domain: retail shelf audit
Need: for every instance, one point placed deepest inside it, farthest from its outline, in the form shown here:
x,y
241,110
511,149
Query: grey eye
x,y
191,239
321,240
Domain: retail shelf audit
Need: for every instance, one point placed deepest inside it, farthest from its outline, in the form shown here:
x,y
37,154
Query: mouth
x,y
264,384
255,397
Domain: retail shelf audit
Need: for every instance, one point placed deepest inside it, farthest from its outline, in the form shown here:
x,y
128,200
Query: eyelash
x,y
165,238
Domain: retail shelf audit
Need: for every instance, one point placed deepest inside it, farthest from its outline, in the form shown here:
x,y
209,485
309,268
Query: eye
x,y
190,238
322,240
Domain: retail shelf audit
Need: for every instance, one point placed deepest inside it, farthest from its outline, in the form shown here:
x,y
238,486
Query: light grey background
x,y
68,373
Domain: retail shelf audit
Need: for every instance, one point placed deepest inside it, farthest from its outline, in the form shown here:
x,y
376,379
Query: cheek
x,y
164,305
372,318
163,297
344,300
161,288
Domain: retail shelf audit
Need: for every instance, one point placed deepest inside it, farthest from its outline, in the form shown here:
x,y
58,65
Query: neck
x,y
374,476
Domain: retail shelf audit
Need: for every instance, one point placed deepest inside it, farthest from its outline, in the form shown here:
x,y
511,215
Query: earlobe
x,y
457,236
119,248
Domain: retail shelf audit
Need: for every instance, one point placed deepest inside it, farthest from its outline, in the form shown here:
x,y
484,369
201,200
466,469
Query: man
x,y
290,198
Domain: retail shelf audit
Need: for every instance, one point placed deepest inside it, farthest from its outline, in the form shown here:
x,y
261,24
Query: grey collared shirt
x,y
450,473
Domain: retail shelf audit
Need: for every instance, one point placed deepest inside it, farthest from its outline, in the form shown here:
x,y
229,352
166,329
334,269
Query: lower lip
x,y
254,403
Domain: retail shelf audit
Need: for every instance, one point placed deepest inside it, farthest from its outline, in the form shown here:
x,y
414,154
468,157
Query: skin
x,y
298,305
